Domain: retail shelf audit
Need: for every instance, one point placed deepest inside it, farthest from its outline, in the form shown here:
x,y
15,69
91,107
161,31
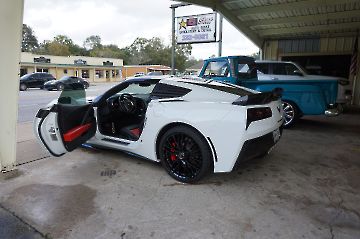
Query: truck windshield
x,y
217,69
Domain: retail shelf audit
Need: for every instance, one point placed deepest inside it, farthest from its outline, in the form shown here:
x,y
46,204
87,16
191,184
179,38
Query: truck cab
x,y
300,96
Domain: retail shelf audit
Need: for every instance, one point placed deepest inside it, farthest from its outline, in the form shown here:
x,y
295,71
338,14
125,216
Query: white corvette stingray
x,y
193,127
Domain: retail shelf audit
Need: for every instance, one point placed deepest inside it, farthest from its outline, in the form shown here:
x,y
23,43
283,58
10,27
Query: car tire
x,y
86,86
60,87
23,87
185,154
291,113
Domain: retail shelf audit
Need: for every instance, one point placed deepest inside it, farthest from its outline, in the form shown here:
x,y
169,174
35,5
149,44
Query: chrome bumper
x,y
335,111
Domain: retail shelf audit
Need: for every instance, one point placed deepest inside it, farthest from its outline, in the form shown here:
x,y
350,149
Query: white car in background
x,y
287,70
193,127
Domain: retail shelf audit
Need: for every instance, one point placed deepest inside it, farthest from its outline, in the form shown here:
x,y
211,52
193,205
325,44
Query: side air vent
x,y
162,91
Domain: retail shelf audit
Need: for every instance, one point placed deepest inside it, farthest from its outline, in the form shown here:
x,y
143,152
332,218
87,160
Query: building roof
x,y
149,66
30,58
282,19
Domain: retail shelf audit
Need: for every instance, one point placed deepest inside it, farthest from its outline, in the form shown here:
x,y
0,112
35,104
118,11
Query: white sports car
x,y
193,127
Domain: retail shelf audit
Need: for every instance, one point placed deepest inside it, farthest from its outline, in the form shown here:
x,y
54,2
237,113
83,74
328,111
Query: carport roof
x,y
260,20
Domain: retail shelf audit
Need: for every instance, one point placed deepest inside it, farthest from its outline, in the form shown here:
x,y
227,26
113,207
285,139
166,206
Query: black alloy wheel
x,y
185,154
60,87
23,87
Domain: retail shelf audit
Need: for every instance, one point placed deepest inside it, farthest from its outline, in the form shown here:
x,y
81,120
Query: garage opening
x,y
328,65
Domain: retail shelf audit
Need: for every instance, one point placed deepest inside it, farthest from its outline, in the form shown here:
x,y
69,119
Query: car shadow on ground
x,y
324,124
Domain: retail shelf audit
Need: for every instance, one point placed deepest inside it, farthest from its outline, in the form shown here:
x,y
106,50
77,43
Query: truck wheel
x,y
291,113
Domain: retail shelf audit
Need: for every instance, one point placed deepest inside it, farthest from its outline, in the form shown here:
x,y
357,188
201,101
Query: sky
x,y
120,22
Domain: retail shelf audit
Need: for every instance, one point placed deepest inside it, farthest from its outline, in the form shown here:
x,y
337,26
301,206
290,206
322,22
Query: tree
x,y
29,41
92,42
154,51
63,40
58,49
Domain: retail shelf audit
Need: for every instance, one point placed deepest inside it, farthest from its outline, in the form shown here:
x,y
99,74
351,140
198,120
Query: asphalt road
x,y
32,100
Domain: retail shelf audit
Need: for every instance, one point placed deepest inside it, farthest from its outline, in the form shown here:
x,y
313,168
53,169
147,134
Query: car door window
x,y
284,69
262,68
73,94
246,71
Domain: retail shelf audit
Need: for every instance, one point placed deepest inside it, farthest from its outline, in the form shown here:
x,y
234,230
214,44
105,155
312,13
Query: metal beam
x,y
289,6
230,17
304,19
308,29
204,3
237,23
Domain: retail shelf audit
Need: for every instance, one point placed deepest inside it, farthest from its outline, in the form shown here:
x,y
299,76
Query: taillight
x,y
255,114
344,82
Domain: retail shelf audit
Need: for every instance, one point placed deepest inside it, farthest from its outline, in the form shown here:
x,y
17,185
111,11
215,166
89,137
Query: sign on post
x,y
196,29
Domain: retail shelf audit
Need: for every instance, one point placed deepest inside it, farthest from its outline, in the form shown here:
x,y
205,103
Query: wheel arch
x,y
294,103
174,124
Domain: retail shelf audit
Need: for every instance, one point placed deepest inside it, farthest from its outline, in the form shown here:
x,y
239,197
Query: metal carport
x,y
284,29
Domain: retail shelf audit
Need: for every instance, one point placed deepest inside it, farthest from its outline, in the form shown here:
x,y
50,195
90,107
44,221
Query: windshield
x,y
217,69
24,76
138,88
64,78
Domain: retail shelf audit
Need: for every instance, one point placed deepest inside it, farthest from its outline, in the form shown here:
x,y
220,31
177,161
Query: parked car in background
x,y
65,80
35,80
281,70
155,73
137,74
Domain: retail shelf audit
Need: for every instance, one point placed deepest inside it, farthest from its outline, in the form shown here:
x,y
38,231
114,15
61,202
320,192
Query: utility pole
x,y
173,7
220,34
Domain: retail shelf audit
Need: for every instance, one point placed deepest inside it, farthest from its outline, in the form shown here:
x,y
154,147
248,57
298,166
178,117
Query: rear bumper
x,y
257,147
335,110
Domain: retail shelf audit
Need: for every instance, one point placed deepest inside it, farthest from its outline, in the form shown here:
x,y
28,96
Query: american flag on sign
x,y
191,22
353,65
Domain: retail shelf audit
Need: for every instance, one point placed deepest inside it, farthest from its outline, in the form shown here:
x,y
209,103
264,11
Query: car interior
x,y
122,115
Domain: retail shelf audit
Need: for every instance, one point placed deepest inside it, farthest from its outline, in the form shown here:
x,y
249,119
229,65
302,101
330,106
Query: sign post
x,y
173,7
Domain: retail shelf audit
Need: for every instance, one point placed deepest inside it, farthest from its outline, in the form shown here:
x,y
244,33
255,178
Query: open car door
x,y
68,123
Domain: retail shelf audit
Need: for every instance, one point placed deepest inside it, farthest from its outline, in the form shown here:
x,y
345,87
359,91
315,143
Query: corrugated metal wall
x,y
275,49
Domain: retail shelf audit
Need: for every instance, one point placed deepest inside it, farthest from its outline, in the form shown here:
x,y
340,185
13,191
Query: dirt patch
x,y
335,216
52,209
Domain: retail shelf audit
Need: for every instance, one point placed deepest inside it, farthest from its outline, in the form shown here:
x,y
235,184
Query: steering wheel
x,y
127,103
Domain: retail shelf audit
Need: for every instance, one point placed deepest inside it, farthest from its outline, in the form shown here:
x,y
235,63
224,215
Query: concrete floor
x,y
308,187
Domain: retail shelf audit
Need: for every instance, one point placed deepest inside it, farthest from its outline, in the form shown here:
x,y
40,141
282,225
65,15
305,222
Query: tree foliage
x,y
29,40
92,42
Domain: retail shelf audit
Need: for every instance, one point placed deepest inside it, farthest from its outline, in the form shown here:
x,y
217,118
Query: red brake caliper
x,y
172,150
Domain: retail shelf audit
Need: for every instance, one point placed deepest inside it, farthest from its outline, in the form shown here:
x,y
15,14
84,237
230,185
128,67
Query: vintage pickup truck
x,y
300,97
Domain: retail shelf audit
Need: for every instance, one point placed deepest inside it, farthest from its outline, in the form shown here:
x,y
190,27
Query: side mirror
x,y
298,73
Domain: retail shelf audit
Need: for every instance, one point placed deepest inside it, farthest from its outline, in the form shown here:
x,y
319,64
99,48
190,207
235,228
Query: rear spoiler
x,y
259,99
